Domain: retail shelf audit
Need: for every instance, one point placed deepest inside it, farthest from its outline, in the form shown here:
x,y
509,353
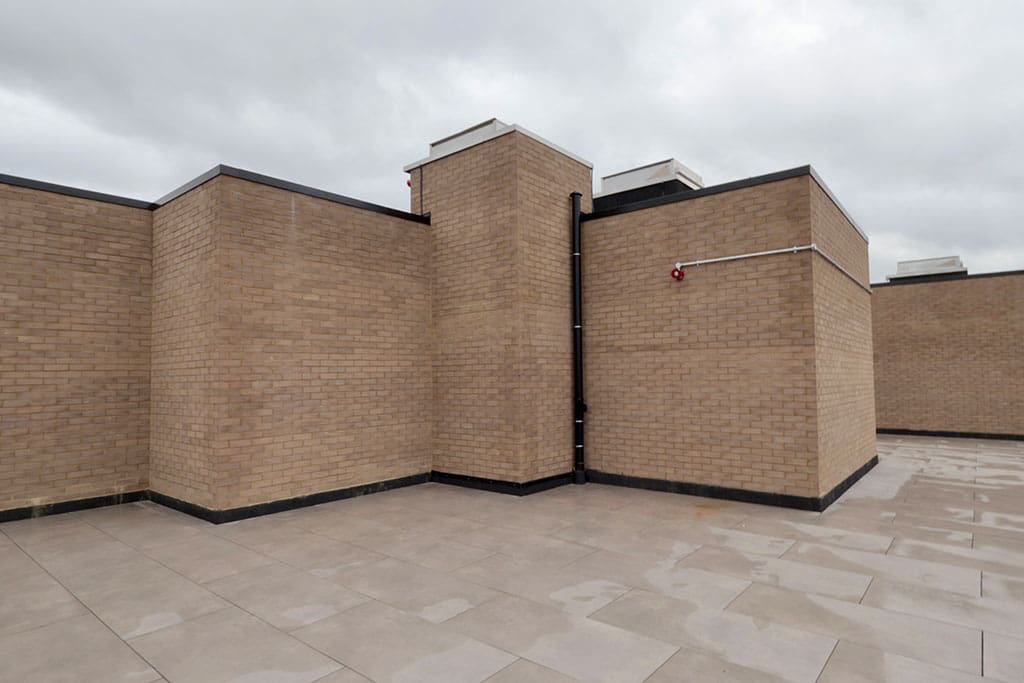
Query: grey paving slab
x,y
71,651
852,663
784,573
429,549
525,671
817,532
667,576
703,667
957,579
1004,658
1008,588
985,614
230,645
478,585
34,599
430,594
563,589
951,646
208,558
575,646
738,639
285,597
386,644
986,558
161,599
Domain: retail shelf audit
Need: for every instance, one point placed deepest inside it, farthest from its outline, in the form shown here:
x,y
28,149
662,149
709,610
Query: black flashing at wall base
x,y
494,485
499,486
236,514
740,495
953,435
71,506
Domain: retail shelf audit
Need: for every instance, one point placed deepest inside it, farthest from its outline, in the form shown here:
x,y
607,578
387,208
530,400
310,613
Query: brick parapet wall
x,y
75,278
324,338
948,355
709,380
500,220
186,414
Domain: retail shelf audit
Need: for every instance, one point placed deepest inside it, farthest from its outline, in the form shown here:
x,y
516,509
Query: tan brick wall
x,y
324,341
843,345
948,355
74,347
843,356
185,413
500,225
293,346
544,364
709,380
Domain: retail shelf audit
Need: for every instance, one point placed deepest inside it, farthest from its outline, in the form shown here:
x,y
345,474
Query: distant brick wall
x,y
500,220
74,347
843,358
709,380
949,355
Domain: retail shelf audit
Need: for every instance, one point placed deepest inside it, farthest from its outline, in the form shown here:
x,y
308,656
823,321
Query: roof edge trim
x,y
753,181
67,190
289,186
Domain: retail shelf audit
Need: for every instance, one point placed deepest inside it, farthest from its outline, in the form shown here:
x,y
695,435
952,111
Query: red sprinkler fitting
x,y
678,273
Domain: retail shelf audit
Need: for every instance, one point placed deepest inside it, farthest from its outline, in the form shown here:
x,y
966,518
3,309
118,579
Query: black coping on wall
x,y
740,495
954,435
667,188
728,187
944,277
499,486
261,179
75,192
72,506
206,177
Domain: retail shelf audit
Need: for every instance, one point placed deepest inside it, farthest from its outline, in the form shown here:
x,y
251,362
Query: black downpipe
x,y
579,473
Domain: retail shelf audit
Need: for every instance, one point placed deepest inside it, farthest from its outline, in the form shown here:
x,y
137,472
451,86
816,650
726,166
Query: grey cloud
x,y
910,110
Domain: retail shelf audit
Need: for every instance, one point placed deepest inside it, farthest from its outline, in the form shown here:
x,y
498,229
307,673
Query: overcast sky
x,y
912,112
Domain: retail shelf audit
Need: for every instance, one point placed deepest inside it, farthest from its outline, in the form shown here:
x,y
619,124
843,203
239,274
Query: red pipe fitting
x,y
678,273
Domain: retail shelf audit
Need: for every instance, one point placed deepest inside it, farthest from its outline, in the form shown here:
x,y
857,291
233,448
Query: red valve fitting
x,y
678,273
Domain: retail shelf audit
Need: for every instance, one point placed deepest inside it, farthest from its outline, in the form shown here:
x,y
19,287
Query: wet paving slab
x,y
915,574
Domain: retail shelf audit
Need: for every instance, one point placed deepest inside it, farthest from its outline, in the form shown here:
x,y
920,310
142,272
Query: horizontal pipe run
x,y
788,250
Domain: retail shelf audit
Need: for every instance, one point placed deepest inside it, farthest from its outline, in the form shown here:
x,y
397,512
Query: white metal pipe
x,y
789,250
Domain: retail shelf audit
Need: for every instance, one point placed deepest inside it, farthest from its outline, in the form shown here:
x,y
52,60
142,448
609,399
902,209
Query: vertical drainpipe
x,y
579,474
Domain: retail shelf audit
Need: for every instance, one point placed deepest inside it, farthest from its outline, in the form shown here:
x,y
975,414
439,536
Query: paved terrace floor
x,y
916,574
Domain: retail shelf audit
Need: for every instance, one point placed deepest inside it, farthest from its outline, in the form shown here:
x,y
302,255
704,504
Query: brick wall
x,y
185,414
74,347
948,355
292,347
500,222
324,345
544,273
843,347
709,380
